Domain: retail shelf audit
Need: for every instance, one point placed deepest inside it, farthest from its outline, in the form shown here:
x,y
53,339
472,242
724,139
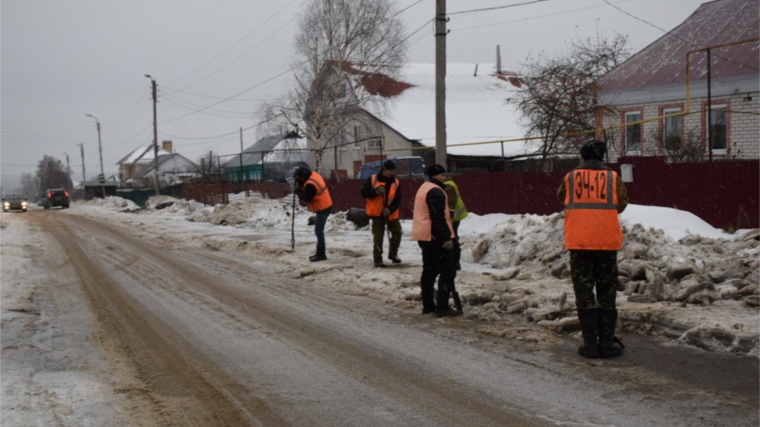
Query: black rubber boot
x,y
319,256
590,329
609,346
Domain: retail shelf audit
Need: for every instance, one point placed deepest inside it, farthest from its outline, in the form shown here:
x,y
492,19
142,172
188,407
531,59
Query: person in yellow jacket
x,y
458,213
383,196
433,231
593,196
311,189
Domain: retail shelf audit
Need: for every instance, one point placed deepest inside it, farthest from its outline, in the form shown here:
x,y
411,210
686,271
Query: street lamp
x,y
102,177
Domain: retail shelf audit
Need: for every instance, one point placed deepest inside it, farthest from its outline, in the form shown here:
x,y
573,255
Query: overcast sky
x,y
215,60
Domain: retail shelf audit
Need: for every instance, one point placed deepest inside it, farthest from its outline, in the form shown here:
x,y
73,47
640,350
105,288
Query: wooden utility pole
x,y
81,151
241,154
440,82
155,135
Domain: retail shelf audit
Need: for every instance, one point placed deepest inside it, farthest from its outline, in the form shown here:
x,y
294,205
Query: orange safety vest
x,y
322,199
422,226
591,216
375,205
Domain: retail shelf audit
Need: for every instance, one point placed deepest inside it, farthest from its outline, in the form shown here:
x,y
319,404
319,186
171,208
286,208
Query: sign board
x,y
101,178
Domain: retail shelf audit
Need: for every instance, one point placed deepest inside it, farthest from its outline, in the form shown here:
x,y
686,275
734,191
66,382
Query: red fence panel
x,y
724,194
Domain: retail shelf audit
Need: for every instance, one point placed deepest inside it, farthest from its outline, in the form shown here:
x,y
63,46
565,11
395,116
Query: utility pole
x,y
155,135
68,173
241,154
102,176
440,82
84,176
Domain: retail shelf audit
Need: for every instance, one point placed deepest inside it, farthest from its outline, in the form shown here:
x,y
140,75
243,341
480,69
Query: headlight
x,y
23,205
6,205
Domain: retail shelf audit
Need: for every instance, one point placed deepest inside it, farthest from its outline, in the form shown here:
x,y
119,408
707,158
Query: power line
x,y
496,7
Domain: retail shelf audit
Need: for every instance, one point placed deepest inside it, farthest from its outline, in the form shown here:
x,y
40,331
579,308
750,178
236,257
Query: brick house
x,y
708,114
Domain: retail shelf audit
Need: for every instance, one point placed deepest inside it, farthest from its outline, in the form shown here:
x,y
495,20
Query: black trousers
x,y
437,263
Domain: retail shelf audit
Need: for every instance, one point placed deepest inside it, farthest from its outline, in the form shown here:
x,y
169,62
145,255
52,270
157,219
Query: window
x,y
342,139
717,131
633,132
671,130
375,143
357,136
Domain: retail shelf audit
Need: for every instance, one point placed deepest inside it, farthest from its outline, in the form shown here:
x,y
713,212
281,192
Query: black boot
x,y
319,256
590,329
609,346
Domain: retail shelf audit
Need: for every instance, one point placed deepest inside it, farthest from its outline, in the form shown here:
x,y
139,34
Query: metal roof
x,y
713,24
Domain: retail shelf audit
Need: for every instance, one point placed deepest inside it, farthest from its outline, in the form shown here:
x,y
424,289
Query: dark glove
x,y
386,212
380,190
448,245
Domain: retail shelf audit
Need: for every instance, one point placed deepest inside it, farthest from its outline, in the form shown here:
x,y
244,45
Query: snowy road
x,y
178,335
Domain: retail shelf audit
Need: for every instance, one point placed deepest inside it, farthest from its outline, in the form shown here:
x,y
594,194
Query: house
x,y
708,112
271,159
477,118
137,169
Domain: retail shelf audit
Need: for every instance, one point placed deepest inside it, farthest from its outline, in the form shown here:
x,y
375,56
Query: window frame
x,y
664,111
723,107
625,134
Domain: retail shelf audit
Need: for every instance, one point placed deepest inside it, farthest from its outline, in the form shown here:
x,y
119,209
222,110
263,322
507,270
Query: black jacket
x,y
436,201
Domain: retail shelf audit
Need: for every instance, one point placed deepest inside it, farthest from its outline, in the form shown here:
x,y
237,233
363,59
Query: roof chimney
x,y
167,146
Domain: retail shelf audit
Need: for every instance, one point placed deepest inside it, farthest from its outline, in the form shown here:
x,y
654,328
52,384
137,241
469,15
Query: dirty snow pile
x,y
680,279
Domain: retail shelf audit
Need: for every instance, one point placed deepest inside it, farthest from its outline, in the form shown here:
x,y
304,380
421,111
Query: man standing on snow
x,y
383,196
433,231
593,196
310,188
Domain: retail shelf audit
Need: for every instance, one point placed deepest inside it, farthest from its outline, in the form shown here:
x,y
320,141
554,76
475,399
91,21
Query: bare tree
x,y
346,49
686,148
29,186
51,173
560,100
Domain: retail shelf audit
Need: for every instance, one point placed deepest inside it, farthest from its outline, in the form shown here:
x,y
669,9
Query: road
x,y
196,337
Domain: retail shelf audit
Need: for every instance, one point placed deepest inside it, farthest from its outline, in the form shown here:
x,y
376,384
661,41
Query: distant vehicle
x,y
56,197
14,202
406,167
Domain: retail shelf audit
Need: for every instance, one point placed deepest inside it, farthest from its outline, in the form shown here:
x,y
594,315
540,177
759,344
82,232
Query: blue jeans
x,y
319,226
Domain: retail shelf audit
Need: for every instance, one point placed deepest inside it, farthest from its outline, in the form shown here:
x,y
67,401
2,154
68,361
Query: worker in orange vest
x,y
310,188
383,196
593,196
433,231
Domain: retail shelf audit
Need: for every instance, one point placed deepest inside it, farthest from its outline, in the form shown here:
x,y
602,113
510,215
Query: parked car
x,y
56,197
14,202
406,167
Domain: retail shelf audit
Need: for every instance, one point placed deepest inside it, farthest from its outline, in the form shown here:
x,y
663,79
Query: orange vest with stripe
x,y
321,199
375,205
422,225
591,216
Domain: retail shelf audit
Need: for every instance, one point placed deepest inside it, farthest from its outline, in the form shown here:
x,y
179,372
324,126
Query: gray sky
x,y
216,60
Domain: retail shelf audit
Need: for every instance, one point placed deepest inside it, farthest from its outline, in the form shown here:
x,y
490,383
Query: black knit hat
x,y
389,165
434,170
593,150
302,172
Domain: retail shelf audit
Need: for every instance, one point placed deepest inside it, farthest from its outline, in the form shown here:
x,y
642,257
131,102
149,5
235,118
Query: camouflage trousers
x,y
378,235
594,270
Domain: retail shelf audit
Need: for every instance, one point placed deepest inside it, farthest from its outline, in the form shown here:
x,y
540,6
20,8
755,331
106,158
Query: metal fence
x,y
724,194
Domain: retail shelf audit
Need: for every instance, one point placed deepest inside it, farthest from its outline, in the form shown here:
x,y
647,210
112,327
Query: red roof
x,y
714,23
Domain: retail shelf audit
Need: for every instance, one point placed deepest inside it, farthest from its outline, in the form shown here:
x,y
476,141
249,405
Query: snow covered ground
x,y
684,283
681,280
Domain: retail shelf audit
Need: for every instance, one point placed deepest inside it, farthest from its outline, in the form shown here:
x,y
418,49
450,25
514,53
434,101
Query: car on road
x,y
14,202
56,197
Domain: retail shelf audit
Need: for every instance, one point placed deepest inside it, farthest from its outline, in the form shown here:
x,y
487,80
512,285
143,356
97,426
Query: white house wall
x,y
742,96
